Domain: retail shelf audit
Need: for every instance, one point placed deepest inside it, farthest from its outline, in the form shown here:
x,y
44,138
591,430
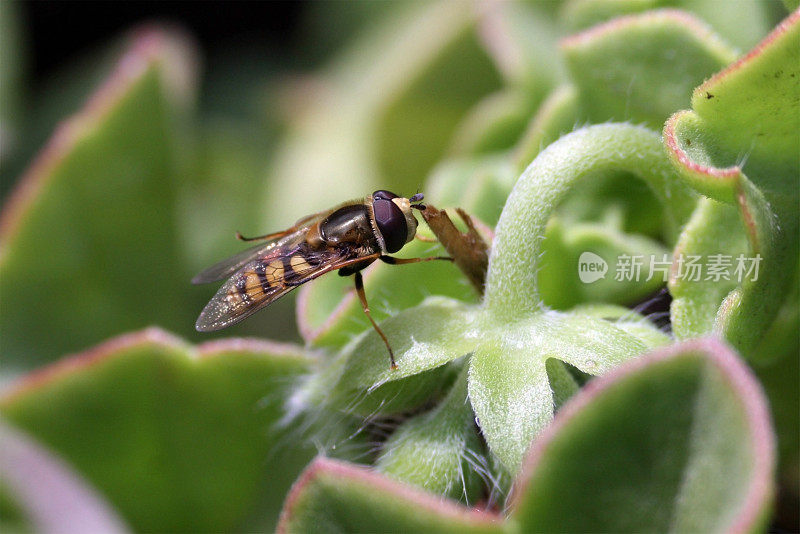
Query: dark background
x,y
58,31
67,48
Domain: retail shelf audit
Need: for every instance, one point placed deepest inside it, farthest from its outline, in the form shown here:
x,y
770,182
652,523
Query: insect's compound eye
x,y
391,223
383,194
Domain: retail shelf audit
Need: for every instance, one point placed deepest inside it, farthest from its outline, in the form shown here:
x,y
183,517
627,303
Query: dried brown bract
x,y
469,250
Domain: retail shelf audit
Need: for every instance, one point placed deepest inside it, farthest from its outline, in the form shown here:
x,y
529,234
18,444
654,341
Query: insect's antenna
x,y
416,198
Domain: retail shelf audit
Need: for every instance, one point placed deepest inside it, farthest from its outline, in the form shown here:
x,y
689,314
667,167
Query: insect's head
x,y
394,218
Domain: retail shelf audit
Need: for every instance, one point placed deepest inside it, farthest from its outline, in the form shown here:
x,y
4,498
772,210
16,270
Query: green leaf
x,y
779,379
448,80
747,109
58,93
728,22
511,286
334,496
424,338
521,38
695,302
629,321
177,438
642,67
329,313
577,15
639,68
509,386
778,369
88,240
746,116
679,440
439,450
494,124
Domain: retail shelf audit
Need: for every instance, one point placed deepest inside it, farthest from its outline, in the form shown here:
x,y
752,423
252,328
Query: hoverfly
x,y
347,239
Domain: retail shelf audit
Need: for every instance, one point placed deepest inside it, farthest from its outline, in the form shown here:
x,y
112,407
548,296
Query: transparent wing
x,y
285,240
230,265
265,279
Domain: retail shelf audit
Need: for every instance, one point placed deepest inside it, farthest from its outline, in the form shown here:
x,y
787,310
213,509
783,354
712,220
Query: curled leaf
x,y
745,117
511,288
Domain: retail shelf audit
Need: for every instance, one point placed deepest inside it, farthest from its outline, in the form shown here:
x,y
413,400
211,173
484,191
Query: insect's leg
x,y
425,239
400,261
276,235
363,298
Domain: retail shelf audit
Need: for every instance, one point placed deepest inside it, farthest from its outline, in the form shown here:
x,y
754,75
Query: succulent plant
x,y
548,402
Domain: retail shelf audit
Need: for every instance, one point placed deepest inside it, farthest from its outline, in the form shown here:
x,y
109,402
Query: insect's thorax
x,y
349,225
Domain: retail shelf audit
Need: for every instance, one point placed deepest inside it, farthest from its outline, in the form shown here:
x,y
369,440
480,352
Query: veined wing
x,y
228,266
265,279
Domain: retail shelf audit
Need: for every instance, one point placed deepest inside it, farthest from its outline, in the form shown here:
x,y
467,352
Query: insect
x,y
347,239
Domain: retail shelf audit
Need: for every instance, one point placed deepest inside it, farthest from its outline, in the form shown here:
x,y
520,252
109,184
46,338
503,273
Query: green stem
x,y
511,287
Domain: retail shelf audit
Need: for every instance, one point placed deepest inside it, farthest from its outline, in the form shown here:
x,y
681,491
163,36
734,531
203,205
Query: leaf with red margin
x,y
745,117
678,440
177,438
642,67
88,239
728,22
332,496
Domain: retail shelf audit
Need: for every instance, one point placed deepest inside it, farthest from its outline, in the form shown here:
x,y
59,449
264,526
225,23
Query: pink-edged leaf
x,y
333,496
88,237
677,440
176,437
738,146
